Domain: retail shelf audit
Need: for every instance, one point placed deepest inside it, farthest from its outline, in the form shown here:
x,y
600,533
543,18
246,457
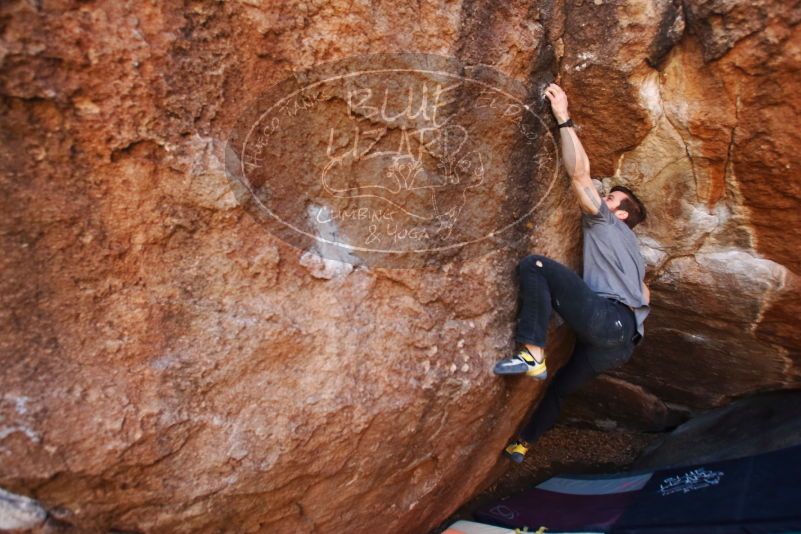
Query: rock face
x,y
755,425
171,365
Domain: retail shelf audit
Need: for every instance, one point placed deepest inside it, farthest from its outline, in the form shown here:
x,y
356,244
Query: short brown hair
x,y
632,205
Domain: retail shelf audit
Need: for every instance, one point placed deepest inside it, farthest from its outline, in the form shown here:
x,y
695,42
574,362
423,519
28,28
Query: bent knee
x,y
533,260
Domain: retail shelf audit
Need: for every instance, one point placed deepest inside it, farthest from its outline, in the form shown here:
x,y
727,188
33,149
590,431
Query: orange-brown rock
x,y
173,366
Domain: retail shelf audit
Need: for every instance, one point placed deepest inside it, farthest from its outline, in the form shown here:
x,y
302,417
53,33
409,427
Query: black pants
x,y
605,331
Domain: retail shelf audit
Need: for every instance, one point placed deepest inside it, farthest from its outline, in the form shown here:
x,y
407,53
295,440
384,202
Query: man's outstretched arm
x,y
574,157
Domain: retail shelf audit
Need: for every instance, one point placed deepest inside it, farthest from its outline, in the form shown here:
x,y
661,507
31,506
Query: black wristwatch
x,y
567,123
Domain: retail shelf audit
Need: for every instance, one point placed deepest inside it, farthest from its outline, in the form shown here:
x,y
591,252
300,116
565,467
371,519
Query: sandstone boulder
x,y
173,365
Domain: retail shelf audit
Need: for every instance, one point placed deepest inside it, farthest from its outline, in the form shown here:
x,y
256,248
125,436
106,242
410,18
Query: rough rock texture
x,y
715,167
754,425
171,366
19,513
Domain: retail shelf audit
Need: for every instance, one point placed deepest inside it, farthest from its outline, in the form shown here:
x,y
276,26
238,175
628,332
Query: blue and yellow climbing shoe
x,y
522,362
516,451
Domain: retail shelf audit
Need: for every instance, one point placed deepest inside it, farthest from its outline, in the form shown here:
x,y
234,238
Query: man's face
x,y
613,203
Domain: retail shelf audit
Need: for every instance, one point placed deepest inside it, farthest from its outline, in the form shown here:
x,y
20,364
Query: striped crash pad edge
x,y
471,527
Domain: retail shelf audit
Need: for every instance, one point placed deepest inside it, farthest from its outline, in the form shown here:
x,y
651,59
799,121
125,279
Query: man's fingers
x,y
552,96
552,91
555,88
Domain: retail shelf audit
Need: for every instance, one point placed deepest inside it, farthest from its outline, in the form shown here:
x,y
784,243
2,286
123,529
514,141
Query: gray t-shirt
x,y
613,264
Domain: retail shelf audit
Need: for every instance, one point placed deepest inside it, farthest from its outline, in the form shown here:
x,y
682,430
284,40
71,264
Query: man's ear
x,y
622,214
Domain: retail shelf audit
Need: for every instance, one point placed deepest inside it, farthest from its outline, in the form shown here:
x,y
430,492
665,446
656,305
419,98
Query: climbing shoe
x,y
516,451
522,362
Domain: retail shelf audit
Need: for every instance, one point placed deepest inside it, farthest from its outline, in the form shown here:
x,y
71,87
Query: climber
x,y
605,309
